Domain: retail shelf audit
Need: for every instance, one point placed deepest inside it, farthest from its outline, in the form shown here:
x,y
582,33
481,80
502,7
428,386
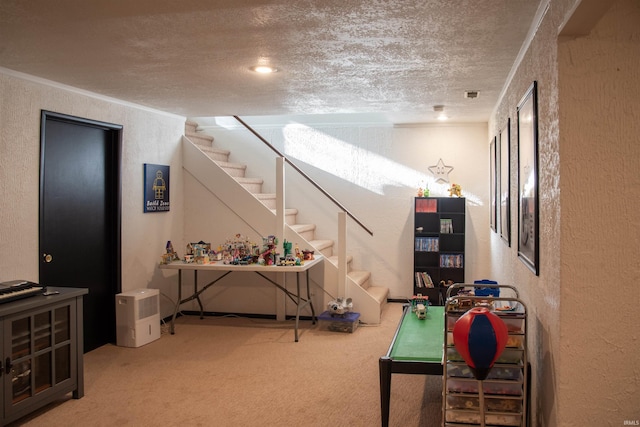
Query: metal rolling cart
x,y
504,391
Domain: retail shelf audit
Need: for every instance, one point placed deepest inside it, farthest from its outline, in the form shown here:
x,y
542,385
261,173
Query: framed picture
x,y
504,184
156,188
493,183
528,222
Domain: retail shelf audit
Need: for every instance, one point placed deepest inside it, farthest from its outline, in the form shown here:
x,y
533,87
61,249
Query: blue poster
x,y
156,188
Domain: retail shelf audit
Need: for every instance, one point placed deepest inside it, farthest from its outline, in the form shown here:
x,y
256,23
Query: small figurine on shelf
x,y
455,190
287,247
170,255
269,252
423,190
200,252
421,311
419,305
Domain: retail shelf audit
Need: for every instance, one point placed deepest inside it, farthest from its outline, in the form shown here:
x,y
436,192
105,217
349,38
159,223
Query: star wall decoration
x,y
441,171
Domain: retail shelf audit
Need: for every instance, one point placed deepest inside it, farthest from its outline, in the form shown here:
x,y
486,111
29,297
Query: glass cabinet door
x,y
40,352
20,361
62,344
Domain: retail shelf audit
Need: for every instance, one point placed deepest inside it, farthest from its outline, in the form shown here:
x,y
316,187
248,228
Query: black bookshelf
x,y
439,243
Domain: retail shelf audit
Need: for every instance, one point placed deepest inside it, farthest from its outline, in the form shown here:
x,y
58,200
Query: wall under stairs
x,y
243,194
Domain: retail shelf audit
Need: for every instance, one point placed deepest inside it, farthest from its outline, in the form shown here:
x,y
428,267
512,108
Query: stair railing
x,y
304,175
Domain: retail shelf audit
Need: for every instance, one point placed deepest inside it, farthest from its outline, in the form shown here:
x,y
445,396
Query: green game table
x,y
416,348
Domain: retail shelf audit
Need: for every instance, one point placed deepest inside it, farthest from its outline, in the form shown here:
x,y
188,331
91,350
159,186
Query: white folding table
x,y
301,302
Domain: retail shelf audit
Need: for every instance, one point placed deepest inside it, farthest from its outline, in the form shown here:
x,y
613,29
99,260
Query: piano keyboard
x,y
17,289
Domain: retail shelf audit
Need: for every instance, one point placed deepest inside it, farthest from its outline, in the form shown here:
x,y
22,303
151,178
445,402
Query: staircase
x,y
211,165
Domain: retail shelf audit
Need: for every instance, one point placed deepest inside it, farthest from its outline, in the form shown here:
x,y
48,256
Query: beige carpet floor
x,y
246,372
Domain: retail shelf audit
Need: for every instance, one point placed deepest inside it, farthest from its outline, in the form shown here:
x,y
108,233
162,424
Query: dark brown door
x,y
80,216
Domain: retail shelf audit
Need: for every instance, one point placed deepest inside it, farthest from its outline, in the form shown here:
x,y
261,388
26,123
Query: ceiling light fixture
x,y
440,110
263,69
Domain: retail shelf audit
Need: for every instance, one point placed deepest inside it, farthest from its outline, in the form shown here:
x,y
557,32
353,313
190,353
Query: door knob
x,y
47,257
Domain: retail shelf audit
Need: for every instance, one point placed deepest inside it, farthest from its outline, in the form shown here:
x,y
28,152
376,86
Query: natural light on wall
x,y
355,164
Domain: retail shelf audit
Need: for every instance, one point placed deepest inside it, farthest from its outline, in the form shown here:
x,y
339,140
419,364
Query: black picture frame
x,y
156,188
493,184
504,183
528,209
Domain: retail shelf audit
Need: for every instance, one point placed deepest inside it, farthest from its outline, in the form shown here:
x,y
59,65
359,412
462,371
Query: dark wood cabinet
x,y
41,351
439,245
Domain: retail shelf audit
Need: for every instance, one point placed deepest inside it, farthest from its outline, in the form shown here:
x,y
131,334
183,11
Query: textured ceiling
x,y
192,57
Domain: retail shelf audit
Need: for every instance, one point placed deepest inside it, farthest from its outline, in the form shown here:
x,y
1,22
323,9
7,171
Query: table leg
x,y
313,311
195,292
172,329
297,304
385,388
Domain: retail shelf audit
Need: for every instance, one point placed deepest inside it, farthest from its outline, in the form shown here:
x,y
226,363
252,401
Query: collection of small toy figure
x,y
454,190
240,251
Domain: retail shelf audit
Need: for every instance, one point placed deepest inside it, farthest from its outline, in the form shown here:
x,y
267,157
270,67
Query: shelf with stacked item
x,y
505,388
439,245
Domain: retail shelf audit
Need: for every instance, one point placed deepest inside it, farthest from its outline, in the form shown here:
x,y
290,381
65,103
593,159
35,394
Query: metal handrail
x,y
297,169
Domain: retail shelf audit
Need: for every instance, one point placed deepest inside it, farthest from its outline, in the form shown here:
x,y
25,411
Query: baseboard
x,y
397,300
224,314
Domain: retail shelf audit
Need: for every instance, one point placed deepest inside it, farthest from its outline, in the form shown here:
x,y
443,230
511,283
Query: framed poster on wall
x,y
492,183
504,183
156,188
528,221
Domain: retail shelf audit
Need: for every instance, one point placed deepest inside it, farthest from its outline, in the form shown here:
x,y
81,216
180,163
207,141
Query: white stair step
x,y
190,127
200,139
325,247
361,277
216,154
252,185
233,169
334,259
268,199
380,293
290,215
306,231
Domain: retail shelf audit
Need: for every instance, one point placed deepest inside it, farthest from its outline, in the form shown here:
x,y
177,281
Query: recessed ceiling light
x,y
263,69
440,110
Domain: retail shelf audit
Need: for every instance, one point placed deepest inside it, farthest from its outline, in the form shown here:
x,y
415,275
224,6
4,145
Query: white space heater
x,y
137,317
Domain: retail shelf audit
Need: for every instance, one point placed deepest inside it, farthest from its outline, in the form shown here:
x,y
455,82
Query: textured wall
x,y
148,137
540,293
600,192
574,320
